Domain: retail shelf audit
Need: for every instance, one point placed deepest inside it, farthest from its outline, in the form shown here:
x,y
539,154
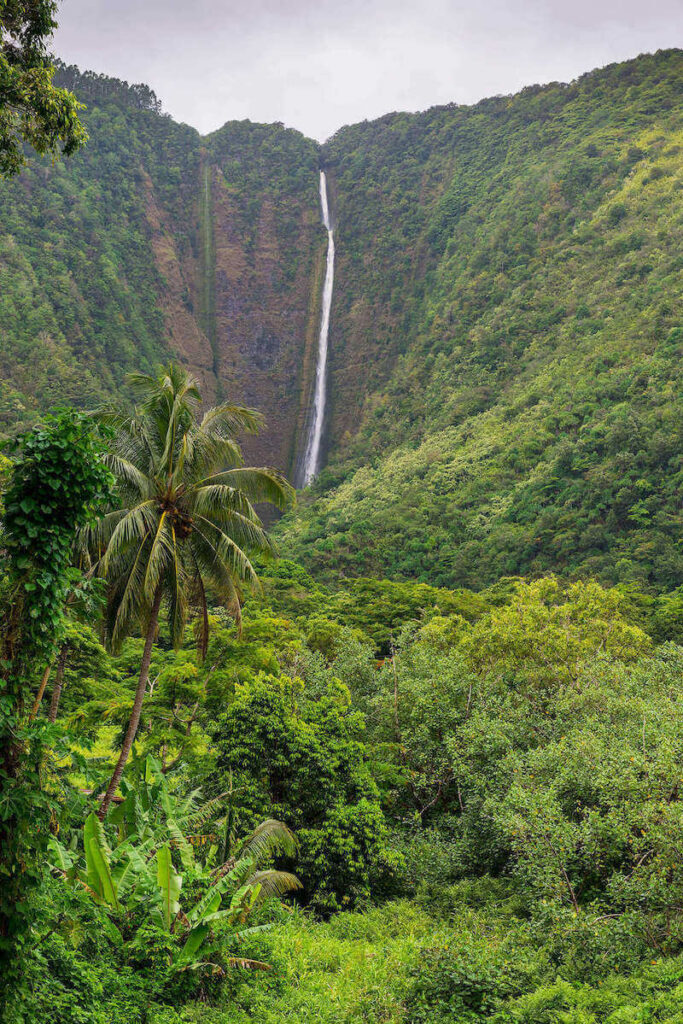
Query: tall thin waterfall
x,y
312,457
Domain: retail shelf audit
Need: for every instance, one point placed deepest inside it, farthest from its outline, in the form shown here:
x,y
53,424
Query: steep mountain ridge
x,y
504,357
154,242
509,283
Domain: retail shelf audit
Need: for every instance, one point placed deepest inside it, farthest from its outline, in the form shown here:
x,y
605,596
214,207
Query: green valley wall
x,y
153,244
506,346
505,389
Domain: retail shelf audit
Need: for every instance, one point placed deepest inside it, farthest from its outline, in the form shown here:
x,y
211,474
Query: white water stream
x,y
312,457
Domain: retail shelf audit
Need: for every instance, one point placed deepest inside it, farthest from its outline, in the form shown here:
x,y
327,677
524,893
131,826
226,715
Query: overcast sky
x,y
319,65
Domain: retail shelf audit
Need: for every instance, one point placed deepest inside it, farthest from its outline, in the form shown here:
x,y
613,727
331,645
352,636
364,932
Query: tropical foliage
x,y
58,482
487,816
450,791
186,524
136,885
32,109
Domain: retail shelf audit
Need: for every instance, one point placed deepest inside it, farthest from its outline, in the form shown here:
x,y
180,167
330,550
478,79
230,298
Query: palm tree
x,y
186,524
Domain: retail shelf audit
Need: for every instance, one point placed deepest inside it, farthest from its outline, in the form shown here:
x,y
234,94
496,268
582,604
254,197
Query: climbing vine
x,y
58,482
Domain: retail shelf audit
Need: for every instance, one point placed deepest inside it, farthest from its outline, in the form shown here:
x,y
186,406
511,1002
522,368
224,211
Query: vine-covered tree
x,y
57,481
186,523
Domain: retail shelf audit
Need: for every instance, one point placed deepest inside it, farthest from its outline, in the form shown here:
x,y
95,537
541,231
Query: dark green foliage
x,y
466,982
58,483
303,760
32,109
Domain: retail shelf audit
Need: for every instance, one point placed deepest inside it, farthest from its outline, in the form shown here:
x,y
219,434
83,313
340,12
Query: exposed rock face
x,y
153,244
266,235
177,277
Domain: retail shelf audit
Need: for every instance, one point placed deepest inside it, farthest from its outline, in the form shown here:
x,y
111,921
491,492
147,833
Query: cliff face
x,y
154,243
266,234
504,378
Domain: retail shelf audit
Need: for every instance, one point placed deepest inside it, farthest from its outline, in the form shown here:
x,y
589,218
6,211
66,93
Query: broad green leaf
x,y
169,884
93,838
106,883
179,841
192,944
62,858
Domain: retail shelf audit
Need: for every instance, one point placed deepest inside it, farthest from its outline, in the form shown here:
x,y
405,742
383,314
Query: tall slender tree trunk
x,y
137,708
59,682
41,691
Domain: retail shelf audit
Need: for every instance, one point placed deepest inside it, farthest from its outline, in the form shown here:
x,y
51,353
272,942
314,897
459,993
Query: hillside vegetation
x,y
81,295
153,241
488,821
509,282
505,342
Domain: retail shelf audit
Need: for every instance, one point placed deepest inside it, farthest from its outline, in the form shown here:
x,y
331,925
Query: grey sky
x,y
319,65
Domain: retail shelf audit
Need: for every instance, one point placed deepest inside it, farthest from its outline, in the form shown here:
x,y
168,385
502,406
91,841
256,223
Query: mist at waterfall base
x,y
312,456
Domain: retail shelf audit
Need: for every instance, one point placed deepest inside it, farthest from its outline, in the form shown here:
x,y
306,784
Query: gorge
x,y
502,332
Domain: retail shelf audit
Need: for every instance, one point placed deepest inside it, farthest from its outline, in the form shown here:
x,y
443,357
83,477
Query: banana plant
x,y
140,873
150,808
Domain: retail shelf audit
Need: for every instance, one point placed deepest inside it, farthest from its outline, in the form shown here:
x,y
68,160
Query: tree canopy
x,y
32,109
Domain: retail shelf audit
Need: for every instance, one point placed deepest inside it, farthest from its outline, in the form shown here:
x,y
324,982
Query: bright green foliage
x,y
422,696
506,305
32,109
381,607
548,631
376,609
133,888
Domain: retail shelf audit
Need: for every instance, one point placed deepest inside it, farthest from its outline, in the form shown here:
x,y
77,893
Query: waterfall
x,y
311,464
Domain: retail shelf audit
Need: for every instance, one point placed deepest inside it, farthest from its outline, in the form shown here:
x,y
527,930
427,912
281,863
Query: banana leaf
x,y
97,861
169,884
192,944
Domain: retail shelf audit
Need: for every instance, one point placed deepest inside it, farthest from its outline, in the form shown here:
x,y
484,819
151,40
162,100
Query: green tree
x,y
549,630
57,481
186,522
301,758
32,109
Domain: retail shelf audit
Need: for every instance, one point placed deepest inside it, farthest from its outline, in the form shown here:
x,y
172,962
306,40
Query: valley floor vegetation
x,y
373,801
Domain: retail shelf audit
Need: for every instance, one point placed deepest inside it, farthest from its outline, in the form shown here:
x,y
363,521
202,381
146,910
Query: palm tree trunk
x,y
41,691
59,681
137,708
